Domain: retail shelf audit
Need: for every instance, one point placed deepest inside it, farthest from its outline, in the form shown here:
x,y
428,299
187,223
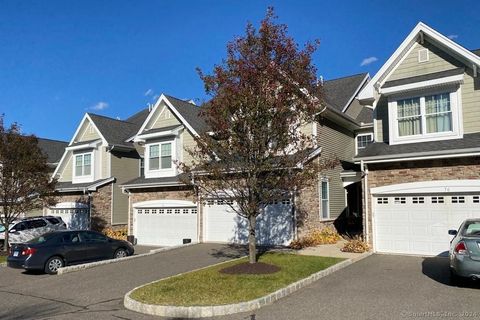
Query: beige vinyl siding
x,y
307,129
410,67
88,133
335,142
66,173
124,168
162,117
188,142
471,103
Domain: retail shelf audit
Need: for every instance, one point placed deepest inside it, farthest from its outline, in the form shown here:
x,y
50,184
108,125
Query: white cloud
x,y
99,106
452,36
148,92
367,61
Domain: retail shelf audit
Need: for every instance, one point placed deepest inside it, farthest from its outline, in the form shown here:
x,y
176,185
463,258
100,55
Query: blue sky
x,y
60,59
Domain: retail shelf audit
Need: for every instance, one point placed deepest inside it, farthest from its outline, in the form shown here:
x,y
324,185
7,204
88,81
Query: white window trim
x,y
83,178
324,179
361,135
455,106
150,173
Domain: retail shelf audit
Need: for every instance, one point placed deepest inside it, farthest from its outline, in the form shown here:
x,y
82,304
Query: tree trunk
x,y
252,239
5,241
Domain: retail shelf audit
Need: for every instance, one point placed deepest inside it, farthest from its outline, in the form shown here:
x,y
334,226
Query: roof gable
x,y
421,32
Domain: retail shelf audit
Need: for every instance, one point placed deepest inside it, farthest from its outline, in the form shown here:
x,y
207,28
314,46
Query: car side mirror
x,y
452,232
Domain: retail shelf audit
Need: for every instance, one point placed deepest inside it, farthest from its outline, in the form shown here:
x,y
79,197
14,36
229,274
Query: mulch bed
x,y
251,268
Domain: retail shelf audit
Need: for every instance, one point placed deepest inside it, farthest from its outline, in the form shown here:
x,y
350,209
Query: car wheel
x,y
120,253
53,264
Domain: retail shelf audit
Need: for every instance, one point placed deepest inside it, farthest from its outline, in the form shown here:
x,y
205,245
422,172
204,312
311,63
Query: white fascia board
x,y
60,164
92,144
85,118
150,114
368,93
474,152
423,84
94,187
436,186
356,92
151,185
158,134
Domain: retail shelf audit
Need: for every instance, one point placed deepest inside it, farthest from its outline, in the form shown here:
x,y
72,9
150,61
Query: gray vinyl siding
x,y
124,167
410,67
335,142
381,120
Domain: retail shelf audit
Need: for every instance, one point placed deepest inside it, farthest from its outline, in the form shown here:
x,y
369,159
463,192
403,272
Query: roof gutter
x,y
456,153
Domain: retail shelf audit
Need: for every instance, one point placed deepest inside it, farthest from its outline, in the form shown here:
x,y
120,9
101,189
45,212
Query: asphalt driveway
x,y
98,292
378,287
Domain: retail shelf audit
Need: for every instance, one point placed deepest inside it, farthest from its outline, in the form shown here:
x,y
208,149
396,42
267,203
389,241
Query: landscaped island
x,y
210,286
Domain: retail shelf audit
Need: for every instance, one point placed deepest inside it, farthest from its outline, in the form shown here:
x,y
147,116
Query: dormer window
x,y
428,117
160,156
363,140
83,165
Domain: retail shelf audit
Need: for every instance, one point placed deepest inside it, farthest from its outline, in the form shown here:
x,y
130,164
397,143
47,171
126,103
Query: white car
x,y
33,227
2,229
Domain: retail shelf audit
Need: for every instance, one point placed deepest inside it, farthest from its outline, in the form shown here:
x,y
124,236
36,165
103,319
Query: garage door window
x,y
458,199
438,200
400,200
382,200
476,199
418,200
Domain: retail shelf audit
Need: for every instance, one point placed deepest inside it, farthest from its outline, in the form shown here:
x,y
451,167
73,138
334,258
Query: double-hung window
x,y
427,117
83,164
160,156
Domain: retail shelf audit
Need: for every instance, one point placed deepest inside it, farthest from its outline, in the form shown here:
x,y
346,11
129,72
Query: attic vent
x,y
423,55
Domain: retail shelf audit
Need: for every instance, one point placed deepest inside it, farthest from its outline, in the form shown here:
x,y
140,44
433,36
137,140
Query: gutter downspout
x,y
366,214
199,212
294,208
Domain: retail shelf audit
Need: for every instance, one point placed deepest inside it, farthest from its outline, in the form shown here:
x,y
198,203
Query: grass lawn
x,y
210,287
3,259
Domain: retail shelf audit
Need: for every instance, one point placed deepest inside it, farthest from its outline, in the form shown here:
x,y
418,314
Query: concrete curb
x,y
3,264
84,266
220,310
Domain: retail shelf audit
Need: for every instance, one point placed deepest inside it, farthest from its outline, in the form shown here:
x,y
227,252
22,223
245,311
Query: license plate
x,y
15,253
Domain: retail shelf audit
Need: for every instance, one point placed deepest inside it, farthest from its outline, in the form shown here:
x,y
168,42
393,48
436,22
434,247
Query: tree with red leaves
x,y
256,152
25,182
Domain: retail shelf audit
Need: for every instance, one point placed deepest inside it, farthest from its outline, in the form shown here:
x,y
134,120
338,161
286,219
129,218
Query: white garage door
x,y
419,224
165,222
274,226
75,215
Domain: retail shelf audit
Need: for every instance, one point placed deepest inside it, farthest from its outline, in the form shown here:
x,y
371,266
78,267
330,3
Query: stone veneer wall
x,y
172,193
101,206
384,174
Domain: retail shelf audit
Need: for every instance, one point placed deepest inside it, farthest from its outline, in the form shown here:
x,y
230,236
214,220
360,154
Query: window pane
x,y
153,160
78,165
154,163
87,170
324,190
325,209
166,162
325,202
408,107
409,126
166,149
154,151
439,115
87,159
363,141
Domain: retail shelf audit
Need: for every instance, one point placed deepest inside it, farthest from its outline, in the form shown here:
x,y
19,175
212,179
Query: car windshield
x,y
471,228
41,239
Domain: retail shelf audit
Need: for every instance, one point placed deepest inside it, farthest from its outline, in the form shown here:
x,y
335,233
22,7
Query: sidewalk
x,y
329,250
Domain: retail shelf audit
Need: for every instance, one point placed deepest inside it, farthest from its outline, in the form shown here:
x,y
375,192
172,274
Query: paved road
x,y
379,287
97,293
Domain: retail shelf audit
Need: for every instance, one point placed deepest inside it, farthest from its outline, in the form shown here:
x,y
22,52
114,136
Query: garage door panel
x,y
419,224
223,224
165,226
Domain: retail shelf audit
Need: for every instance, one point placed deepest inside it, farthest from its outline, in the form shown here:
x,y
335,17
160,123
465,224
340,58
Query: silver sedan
x,y
465,250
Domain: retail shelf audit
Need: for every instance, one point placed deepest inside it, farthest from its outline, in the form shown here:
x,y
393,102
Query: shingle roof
x,y
338,92
68,186
365,116
385,150
53,149
115,131
139,117
154,182
190,112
